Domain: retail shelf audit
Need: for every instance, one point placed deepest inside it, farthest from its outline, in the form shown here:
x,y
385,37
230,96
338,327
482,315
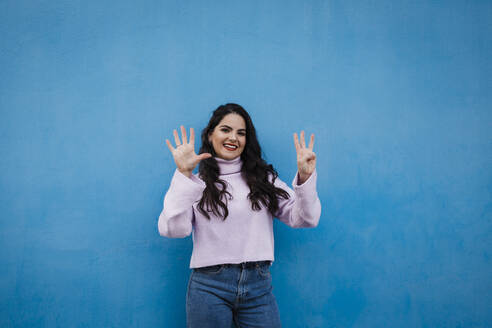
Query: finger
x,y
311,142
183,135
176,138
192,136
296,142
303,142
169,145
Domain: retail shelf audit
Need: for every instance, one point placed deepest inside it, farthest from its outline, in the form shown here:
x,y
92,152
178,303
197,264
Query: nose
x,y
233,136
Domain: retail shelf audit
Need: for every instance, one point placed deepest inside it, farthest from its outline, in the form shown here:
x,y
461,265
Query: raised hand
x,y
184,154
306,158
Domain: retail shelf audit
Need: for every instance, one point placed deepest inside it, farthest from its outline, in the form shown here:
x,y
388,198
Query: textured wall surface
x,y
398,94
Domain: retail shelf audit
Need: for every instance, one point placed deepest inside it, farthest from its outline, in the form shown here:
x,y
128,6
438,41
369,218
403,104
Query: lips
x,y
230,147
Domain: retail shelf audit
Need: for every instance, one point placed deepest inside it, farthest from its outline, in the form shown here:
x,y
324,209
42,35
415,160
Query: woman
x,y
229,207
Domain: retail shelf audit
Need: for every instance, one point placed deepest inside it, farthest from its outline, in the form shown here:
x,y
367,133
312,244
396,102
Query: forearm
x,y
176,217
303,208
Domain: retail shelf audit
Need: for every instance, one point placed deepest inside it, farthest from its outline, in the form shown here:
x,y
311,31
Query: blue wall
x,y
398,94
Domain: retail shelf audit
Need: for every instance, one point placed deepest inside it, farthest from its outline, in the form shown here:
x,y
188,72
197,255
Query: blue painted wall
x,y
398,94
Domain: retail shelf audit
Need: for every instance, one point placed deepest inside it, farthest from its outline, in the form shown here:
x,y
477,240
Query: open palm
x,y
184,153
306,158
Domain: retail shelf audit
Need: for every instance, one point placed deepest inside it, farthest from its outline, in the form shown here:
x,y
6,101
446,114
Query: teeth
x,y
230,146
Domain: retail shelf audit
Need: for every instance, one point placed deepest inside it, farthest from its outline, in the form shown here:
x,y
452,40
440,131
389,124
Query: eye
x,y
224,130
242,133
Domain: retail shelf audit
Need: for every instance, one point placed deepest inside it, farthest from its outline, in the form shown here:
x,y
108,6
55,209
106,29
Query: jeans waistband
x,y
248,264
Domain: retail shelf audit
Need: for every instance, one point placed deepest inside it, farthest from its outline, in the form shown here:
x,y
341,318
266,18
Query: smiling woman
x,y
229,206
229,137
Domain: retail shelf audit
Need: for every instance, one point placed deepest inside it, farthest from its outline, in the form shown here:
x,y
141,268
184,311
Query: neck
x,y
229,166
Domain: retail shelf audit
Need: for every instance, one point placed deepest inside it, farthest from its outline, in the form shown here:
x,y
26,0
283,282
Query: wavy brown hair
x,y
259,175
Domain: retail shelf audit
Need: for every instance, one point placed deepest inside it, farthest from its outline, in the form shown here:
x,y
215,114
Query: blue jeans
x,y
221,294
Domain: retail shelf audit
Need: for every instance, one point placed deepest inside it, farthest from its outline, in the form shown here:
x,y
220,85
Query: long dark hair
x,y
255,170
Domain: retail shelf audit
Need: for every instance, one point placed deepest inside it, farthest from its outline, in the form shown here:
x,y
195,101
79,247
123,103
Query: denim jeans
x,y
221,294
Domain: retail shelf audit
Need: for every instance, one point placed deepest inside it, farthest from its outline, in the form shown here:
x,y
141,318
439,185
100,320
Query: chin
x,y
229,157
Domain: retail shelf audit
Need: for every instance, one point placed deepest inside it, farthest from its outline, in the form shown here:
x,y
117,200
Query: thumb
x,y
311,156
204,156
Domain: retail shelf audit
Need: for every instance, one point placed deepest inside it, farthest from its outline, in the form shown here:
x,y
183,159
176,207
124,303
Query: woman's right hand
x,y
184,154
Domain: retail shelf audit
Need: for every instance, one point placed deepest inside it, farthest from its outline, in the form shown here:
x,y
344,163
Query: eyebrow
x,y
227,126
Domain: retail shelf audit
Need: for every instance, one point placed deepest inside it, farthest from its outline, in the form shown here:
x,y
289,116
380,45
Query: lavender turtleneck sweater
x,y
246,235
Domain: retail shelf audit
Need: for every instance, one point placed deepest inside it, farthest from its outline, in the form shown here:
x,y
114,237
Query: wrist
x,y
302,177
185,172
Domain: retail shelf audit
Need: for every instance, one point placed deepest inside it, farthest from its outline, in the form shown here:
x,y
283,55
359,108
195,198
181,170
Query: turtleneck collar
x,y
229,166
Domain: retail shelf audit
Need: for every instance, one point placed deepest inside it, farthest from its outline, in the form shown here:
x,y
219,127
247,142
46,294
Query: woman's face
x,y
229,137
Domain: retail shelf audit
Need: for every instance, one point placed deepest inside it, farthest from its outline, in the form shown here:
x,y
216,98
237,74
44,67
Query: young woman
x,y
229,208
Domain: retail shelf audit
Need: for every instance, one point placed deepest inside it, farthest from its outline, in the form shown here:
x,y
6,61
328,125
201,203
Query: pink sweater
x,y
246,235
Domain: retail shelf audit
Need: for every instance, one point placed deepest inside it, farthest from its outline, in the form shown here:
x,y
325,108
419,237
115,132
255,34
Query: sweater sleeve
x,y
176,218
303,208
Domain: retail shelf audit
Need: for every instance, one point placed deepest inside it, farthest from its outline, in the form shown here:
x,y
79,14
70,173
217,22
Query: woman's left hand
x,y
306,158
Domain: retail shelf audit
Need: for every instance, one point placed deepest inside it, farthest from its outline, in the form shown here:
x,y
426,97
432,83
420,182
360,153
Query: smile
x,y
230,147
